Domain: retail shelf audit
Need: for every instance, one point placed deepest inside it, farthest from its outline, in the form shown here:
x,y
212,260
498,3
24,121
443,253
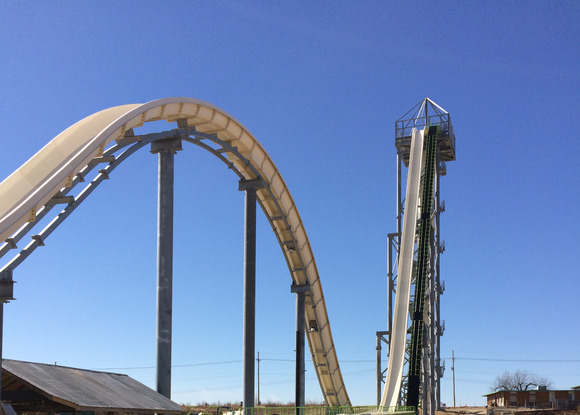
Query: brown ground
x,y
481,410
460,410
463,410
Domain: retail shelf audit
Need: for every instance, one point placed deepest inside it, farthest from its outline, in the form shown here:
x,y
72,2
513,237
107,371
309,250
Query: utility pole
x,y
453,370
258,359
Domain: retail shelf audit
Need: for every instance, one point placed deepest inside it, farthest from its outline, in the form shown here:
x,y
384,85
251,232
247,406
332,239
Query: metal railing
x,y
317,410
404,128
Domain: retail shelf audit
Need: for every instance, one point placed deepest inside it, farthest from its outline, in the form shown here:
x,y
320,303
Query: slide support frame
x,y
165,149
250,188
301,292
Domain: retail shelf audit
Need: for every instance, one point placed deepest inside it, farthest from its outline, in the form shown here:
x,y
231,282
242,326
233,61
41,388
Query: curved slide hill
x,y
48,176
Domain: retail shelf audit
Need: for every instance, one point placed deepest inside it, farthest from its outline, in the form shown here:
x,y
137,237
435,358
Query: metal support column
x,y
438,286
300,291
250,187
6,295
379,348
394,240
380,372
166,150
1,341
399,201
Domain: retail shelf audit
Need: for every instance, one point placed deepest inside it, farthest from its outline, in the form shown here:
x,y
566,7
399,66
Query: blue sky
x,y
320,85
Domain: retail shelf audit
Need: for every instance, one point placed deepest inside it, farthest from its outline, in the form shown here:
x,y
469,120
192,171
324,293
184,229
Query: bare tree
x,y
520,380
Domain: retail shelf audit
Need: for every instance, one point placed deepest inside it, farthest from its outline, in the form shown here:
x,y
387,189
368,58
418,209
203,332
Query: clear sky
x,y
320,84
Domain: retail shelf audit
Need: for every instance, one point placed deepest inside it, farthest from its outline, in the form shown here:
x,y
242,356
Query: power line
x,y
209,363
481,382
482,359
341,361
218,363
486,359
184,365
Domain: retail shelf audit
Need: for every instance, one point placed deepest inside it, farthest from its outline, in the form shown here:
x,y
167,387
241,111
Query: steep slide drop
x,y
45,178
396,362
422,171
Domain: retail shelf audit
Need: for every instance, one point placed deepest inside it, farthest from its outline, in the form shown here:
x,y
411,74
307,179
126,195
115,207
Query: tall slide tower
x,y
425,141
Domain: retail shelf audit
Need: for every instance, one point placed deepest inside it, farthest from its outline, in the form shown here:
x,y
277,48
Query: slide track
x,y
416,227
45,179
396,362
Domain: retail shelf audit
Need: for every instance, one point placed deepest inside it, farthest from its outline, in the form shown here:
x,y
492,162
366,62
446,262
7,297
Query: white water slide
x,y
43,180
396,360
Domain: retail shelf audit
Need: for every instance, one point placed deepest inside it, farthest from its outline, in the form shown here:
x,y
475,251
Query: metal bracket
x,y
11,243
441,328
99,160
289,245
440,287
38,239
66,200
312,325
246,184
6,290
6,274
228,149
300,288
105,173
173,144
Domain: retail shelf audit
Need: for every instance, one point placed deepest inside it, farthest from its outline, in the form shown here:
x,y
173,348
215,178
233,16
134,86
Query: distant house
x,y
561,399
36,388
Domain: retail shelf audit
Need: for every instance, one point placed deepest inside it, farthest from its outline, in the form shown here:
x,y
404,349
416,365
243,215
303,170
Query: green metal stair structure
x,y
422,268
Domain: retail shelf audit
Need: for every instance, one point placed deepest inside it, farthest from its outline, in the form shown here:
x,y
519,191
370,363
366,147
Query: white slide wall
x,y
405,271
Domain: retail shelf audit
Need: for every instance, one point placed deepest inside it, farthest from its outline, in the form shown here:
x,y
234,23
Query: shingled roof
x,y
83,390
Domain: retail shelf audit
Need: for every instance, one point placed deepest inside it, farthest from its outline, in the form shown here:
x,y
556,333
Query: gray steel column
x,y
379,368
390,282
1,341
394,240
250,187
399,200
166,150
438,283
300,291
6,295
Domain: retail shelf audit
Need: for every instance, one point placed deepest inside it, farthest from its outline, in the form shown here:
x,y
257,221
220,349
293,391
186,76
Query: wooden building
x,y
560,399
36,388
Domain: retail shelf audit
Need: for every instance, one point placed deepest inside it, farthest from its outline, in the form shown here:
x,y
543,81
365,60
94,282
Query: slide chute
x,y
107,137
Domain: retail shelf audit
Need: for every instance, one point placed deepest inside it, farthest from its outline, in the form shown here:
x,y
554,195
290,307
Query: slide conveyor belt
x,y
422,269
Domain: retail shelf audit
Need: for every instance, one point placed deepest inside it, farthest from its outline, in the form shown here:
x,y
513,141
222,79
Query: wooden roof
x,y
79,389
